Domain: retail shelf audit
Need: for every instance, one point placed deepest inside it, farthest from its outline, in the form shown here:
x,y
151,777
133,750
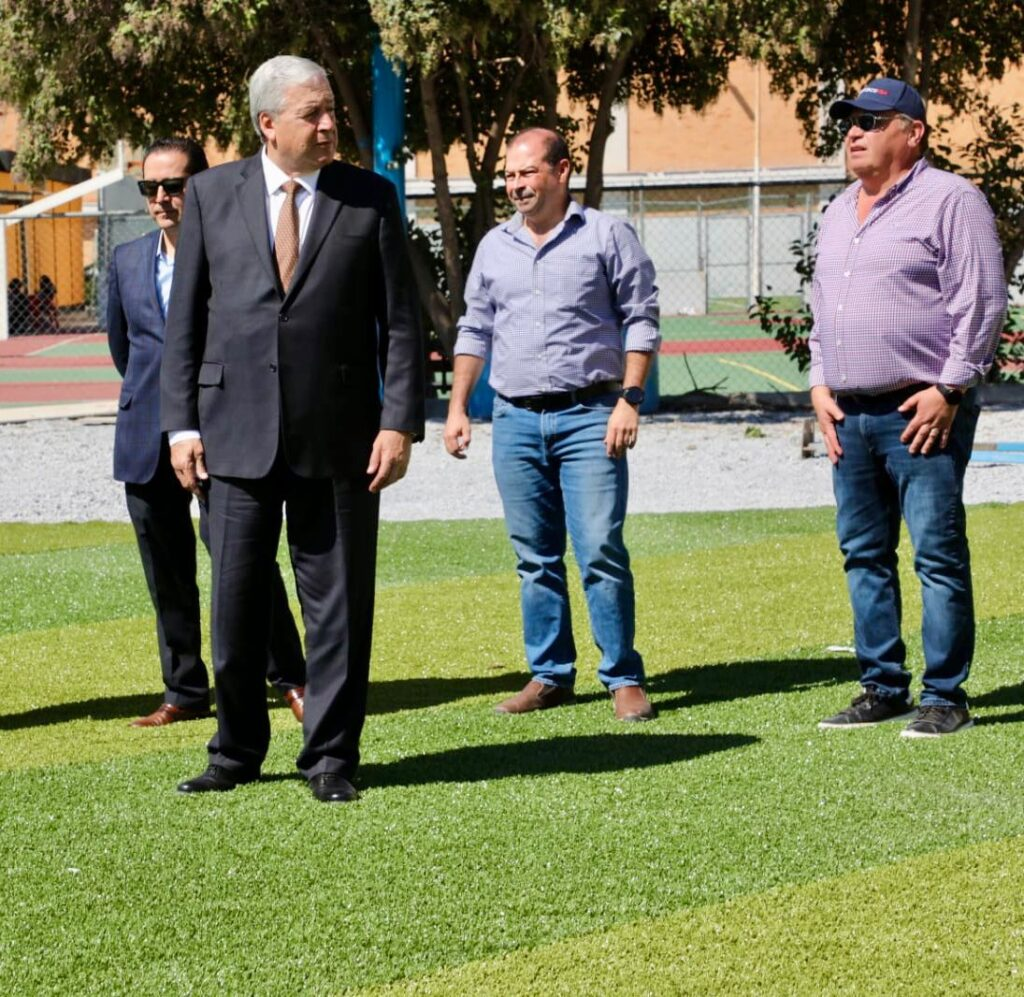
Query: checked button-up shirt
x,y
915,294
559,317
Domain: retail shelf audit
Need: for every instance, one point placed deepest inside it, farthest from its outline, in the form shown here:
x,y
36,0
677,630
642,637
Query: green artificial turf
x,y
727,847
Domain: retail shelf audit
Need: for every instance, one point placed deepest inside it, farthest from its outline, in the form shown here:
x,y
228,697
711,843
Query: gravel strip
x,y
59,470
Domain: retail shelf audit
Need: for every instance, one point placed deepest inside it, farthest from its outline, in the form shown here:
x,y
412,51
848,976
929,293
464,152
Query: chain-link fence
x,y
714,249
57,269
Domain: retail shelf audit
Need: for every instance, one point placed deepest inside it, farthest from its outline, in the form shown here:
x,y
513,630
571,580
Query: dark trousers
x,y
160,511
332,537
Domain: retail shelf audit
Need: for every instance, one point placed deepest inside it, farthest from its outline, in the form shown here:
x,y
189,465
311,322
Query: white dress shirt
x,y
274,178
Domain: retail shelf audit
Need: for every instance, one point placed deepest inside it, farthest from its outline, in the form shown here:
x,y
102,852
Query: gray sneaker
x,y
869,709
938,721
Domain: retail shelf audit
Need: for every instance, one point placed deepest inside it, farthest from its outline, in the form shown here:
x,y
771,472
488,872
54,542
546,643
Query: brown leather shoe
x,y
536,696
295,698
166,714
632,704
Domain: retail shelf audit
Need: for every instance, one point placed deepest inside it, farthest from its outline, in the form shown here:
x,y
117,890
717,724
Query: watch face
x,y
635,396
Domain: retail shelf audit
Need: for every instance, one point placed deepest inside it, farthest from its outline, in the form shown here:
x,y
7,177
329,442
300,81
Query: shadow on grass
x,y
589,753
1006,695
107,708
418,694
702,684
741,679
385,697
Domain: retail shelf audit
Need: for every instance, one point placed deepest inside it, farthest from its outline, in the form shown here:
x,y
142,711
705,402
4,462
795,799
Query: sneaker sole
x,y
918,734
825,725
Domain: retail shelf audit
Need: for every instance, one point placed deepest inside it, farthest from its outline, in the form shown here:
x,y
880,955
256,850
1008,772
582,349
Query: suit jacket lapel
x,y
252,197
326,206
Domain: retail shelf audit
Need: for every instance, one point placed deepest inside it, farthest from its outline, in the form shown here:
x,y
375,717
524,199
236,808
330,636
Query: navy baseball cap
x,y
882,95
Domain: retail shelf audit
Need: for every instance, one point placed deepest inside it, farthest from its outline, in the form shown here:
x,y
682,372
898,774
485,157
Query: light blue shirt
x,y
164,276
560,316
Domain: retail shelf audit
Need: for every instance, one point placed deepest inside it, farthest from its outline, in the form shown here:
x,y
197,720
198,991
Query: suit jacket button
x,y
273,368
284,317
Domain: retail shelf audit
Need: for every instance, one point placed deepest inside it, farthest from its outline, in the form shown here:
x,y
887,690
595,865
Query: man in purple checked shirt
x,y
908,301
563,299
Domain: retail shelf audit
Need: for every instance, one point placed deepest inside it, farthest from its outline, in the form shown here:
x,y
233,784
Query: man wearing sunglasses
x,y
139,288
908,301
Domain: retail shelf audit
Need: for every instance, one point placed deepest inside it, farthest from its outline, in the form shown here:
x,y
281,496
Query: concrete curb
x,y
68,410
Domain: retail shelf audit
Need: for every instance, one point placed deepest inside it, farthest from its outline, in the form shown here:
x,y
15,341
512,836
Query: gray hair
x,y
272,78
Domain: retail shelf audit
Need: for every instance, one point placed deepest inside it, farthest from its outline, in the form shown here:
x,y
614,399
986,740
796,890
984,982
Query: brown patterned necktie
x,y
286,238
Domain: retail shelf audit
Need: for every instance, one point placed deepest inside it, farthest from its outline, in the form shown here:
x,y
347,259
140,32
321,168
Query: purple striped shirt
x,y
914,294
559,317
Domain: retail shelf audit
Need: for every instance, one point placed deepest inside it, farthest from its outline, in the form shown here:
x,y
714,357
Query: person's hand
x,y
930,425
623,426
457,433
389,459
188,458
828,413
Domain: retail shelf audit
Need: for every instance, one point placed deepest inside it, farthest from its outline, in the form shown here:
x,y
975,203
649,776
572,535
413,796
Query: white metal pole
x,y
755,249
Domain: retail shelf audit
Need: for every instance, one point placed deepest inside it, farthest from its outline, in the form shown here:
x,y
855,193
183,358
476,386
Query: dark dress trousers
x,y
157,504
289,392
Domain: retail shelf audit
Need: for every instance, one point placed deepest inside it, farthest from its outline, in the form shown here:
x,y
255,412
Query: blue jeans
x,y
552,472
876,481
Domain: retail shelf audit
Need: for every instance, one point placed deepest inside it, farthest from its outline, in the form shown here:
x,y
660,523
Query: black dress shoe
x,y
329,787
216,779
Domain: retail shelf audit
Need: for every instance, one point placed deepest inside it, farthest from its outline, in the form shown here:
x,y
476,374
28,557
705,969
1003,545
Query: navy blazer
x,y
135,333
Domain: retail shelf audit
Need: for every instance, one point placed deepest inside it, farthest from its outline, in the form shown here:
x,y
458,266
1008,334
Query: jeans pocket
x,y
601,402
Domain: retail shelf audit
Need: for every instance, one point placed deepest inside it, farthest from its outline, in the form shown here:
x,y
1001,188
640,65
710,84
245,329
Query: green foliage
x,y
84,75
792,329
725,847
819,50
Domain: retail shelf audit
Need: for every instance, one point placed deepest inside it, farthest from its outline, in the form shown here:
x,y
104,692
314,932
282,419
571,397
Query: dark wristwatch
x,y
634,396
953,396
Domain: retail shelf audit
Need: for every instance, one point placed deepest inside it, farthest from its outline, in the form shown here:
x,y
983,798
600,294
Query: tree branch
x,y
602,126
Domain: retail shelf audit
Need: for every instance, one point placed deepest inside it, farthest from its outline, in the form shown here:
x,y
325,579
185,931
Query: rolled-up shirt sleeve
x,y
476,327
973,287
632,278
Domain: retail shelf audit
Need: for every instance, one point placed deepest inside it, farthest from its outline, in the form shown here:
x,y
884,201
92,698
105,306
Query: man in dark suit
x,y
141,273
293,376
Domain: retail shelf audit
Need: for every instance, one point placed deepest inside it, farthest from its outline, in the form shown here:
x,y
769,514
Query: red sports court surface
x,y
56,369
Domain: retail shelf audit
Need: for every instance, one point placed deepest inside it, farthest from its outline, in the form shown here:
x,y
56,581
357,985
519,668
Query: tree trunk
x,y
442,195
548,78
356,116
912,44
484,216
602,126
1013,250
431,298
361,131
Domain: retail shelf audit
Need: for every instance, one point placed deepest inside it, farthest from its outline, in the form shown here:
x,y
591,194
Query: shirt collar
x,y
919,167
515,223
160,253
274,176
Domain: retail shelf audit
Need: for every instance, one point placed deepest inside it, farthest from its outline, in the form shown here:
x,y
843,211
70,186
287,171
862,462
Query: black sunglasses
x,y
865,121
171,186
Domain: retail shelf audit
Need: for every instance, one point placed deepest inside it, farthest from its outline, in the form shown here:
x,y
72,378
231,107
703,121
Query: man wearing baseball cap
x,y
908,301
